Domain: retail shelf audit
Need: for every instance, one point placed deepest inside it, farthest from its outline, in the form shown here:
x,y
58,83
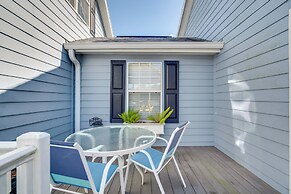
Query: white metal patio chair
x,y
154,161
69,166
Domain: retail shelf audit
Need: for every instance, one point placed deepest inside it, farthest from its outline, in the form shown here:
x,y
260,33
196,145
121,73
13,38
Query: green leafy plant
x,y
161,117
131,116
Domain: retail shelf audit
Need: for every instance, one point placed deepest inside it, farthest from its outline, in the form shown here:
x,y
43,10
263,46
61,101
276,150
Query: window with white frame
x,y
83,9
144,87
73,3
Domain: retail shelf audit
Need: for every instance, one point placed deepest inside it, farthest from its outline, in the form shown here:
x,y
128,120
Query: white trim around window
x,y
75,7
147,87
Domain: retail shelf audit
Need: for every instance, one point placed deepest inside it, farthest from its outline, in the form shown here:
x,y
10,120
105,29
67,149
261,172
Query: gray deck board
x,y
205,170
146,187
191,180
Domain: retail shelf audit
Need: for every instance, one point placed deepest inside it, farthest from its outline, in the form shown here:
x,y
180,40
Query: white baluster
x,y
5,183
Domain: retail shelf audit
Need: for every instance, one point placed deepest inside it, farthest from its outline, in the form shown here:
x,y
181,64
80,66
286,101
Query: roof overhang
x,y
191,48
105,17
185,17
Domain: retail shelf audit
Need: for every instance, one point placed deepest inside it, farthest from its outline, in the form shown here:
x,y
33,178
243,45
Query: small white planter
x,y
155,127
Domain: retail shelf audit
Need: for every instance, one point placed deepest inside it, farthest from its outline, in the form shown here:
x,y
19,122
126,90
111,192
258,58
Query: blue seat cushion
x,y
142,159
97,170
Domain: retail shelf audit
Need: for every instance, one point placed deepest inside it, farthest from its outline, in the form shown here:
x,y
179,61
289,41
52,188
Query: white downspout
x,y
77,89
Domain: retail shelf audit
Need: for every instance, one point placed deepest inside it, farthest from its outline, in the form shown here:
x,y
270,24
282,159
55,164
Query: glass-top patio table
x,y
112,140
107,141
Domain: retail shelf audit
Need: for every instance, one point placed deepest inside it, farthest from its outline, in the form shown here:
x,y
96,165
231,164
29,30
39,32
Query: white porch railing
x,y
30,154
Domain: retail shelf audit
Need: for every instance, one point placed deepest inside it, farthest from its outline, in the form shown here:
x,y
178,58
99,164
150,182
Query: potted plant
x,y
154,122
161,117
131,116
157,121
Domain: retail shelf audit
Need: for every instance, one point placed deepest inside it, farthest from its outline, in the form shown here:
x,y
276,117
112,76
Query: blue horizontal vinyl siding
x,y
251,115
195,87
36,75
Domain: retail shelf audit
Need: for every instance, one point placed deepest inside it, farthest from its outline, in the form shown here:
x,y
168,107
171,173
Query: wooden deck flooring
x,y
205,170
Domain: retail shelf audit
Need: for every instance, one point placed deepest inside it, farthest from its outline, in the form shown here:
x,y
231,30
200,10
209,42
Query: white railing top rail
x,y
7,146
15,158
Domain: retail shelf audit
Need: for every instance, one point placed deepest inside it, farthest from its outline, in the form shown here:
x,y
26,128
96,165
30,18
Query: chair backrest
x,y
174,140
68,164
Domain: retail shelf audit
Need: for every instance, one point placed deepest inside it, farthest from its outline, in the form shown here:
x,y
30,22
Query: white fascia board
x,y
185,17
105,17
146,47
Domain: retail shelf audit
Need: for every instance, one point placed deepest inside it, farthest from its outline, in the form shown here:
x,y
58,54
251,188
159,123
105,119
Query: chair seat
x,y
97,170
142,160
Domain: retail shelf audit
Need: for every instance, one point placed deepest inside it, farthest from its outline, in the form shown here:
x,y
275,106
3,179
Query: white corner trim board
x,y
105,17
186,11
77,89
201,48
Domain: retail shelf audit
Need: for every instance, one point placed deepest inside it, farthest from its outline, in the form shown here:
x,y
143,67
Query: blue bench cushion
x,y
141,158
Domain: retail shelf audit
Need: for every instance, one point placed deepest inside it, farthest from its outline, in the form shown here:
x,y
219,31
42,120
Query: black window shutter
x,y
117,90
171,89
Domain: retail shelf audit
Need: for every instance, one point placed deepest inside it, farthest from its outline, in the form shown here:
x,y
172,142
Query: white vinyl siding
x,y
250,82
99,28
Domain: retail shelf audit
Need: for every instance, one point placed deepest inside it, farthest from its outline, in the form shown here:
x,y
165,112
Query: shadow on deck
x,y
205,170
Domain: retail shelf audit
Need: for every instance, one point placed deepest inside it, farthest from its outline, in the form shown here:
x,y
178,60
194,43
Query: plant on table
x,y
161,117
130,116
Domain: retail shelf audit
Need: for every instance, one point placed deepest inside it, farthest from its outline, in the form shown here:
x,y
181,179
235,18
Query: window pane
x,y
144,76
72,2
148,103
83,10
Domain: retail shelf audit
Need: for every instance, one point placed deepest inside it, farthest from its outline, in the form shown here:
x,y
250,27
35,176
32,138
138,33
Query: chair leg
x,y
178,169
140,172
159,182
93,158
127,169
104,159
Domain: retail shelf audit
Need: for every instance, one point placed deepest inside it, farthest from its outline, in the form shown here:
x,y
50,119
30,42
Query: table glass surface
x,y
112,138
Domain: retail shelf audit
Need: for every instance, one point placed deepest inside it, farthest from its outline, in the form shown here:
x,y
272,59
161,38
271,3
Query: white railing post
x,y
33,177
5,183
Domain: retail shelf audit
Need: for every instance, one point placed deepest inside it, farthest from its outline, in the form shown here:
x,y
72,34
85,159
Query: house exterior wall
x,y
99,29
250,82
36,75
195,92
